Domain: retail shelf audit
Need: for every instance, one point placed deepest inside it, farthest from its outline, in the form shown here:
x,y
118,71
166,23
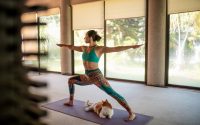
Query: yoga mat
x,y
78,111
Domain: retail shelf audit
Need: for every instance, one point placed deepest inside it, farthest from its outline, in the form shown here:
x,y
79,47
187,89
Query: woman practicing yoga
x,y
91,55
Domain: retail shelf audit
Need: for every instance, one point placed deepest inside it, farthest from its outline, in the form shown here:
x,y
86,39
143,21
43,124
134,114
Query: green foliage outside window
x,y
51,32
184,50
128,64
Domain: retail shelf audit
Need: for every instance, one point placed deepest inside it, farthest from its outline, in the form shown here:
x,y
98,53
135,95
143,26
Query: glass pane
x,y
31,46
128,64
51,32
184,50
79,41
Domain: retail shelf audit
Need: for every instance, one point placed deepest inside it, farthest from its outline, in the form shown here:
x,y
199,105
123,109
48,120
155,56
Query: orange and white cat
x,y
103,109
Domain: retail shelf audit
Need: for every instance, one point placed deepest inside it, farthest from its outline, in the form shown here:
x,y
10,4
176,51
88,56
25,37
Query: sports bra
x,y
91,56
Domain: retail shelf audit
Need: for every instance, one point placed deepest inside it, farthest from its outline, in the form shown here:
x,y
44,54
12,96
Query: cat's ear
x,y
106,100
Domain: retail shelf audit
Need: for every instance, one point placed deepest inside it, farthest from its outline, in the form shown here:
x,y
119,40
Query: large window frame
x,y
38,15
105,55
132,75
48,47
168,55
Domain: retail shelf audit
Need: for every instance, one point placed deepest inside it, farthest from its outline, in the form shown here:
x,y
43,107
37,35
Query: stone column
x,y
156,42
65,27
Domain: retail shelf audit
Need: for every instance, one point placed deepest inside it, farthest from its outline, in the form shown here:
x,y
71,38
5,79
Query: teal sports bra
x,y
91,56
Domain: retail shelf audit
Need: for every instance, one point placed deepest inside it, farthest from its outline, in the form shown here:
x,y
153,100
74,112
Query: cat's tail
x,y
88,103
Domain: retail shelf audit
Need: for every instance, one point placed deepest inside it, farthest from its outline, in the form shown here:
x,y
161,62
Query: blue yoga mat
x,y
78,111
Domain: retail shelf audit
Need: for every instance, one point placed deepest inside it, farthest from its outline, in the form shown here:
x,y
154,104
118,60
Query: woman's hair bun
x,y
94,35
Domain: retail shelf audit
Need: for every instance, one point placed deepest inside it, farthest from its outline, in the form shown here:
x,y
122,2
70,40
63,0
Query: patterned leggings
x,y
97,78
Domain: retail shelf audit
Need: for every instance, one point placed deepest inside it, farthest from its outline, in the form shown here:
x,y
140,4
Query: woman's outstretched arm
x,y
76,48
119,48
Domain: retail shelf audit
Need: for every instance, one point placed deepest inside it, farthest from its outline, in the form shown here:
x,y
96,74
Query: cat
x,y
103,109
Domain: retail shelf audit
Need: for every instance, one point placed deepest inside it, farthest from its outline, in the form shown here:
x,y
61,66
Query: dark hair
x,y
94,35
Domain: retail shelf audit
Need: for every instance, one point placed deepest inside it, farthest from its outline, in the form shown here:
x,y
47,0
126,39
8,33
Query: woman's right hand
x,y
137,46
61,45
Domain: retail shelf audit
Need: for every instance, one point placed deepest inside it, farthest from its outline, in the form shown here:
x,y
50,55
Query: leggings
x,y
97,78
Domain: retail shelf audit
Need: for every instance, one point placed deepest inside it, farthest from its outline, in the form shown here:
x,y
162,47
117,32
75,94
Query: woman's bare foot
x,y
69,103
131,117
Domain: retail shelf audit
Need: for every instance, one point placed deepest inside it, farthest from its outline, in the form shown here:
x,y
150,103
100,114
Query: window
x,y
51,32
79,41
128,64
125,25
184,50
30,46
81,24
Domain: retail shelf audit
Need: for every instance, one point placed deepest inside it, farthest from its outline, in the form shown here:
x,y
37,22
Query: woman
x,y
91,55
